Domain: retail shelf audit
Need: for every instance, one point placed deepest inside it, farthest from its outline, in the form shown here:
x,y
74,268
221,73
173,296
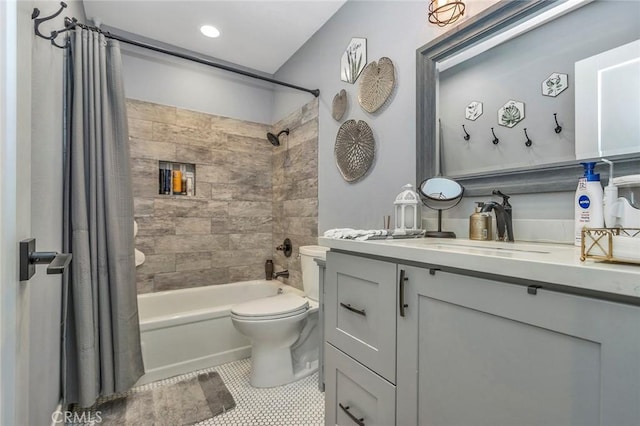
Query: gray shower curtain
x,y
101,348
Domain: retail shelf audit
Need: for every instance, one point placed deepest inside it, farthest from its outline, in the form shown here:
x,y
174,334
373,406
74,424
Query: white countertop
x,y
552,263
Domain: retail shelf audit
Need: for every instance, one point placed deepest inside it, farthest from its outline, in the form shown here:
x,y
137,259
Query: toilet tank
x,y
310,269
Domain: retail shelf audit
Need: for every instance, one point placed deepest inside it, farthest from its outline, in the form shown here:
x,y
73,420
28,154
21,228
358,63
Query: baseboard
x,y
188,366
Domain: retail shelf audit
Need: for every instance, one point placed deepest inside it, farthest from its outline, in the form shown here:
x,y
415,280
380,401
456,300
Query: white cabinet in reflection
x,y
607,102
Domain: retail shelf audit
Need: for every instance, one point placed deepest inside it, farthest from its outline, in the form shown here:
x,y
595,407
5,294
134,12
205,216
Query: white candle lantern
x,y
407,209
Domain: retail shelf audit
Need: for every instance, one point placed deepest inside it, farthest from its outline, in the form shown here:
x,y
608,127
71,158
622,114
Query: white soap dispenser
x,y
588,207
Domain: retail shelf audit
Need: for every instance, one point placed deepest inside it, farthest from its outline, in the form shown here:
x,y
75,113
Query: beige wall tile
x,y
164,132
249,241
305,207
192,225
236,127
193,261
243,224
140,129
194,154
250,208
249,145
142,206
203,190
178,206
221,191
306,226
213,174
144,283
157,263
146,245
245,273
141,148
145,186
150,111
249,256
306,132
198,120
156,225
247,192
191,243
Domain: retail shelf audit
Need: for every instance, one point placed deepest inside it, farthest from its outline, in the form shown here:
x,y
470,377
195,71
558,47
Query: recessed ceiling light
x,y
209,31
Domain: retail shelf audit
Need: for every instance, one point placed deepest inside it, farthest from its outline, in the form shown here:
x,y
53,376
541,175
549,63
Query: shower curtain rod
x,y
70,24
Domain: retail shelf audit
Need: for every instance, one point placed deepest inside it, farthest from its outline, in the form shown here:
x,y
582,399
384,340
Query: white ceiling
x,y
261,35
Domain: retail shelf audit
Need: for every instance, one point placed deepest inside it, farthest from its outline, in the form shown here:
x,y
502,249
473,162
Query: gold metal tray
x,y
599,243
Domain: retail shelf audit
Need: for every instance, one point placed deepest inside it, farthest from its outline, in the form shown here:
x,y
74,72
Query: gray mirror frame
x,y
547,178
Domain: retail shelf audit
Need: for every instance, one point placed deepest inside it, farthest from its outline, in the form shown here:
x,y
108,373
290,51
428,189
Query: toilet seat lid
x,y
279,305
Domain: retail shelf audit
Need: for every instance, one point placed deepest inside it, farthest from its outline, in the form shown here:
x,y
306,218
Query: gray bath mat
x,y
183,403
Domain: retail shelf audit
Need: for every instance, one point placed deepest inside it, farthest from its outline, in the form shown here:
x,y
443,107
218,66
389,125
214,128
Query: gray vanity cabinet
x,y
473,351
354,394
360,310
360,348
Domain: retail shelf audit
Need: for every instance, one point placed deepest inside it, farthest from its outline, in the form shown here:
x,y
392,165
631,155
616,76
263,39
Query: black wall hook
x,y
495,138
558,128
529,141
38,21
466,136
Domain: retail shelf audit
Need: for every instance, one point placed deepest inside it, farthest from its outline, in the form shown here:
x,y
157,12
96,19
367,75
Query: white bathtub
x,y
190,329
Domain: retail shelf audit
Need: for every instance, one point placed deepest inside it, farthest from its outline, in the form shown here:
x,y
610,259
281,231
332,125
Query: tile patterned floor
x,y
296,404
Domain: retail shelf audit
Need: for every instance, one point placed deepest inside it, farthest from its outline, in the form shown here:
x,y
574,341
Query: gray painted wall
x,y
165,80
46,214
394,29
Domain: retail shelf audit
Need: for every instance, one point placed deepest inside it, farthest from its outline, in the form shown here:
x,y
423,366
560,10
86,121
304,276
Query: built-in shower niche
x,y
176,178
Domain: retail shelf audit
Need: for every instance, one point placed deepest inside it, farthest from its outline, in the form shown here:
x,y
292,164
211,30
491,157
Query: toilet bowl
x,y
283,329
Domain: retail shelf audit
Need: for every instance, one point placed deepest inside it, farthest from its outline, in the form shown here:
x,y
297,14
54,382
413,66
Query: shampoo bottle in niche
x,y
588,205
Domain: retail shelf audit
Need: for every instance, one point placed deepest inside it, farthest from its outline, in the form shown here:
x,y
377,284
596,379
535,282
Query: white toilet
x,y
283,329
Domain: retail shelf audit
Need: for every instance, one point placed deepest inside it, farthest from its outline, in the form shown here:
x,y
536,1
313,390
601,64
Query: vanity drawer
x,y
354,394
360,310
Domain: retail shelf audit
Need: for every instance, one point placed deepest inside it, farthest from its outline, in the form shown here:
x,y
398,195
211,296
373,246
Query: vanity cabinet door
x,y
473,351
360,310
354,394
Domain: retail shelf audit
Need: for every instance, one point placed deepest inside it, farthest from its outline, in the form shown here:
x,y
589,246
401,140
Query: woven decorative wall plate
x,y
376,84
355,149
339,105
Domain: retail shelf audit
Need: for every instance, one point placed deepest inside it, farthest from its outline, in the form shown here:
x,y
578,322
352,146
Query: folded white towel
x,y
372,234
355,234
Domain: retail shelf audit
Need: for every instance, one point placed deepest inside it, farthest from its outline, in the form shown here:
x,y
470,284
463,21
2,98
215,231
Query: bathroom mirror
x,y
547,164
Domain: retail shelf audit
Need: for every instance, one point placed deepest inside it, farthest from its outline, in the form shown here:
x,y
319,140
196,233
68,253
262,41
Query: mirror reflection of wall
x,y
608,103
515,70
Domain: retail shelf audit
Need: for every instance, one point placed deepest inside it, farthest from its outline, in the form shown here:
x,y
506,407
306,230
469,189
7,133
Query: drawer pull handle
x,y
352,309
358,421
403,305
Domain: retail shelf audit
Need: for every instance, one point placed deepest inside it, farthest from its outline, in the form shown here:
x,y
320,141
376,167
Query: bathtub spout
x,y
283,274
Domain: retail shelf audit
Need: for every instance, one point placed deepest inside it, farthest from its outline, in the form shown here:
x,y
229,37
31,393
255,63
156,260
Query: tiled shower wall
x,y
295,187
248,193
222,234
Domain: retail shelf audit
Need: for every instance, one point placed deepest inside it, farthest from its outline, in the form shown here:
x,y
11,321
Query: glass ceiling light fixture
x,y
445,12
209,31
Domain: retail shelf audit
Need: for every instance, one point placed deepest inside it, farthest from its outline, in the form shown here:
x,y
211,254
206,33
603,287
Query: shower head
x,y
275,140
